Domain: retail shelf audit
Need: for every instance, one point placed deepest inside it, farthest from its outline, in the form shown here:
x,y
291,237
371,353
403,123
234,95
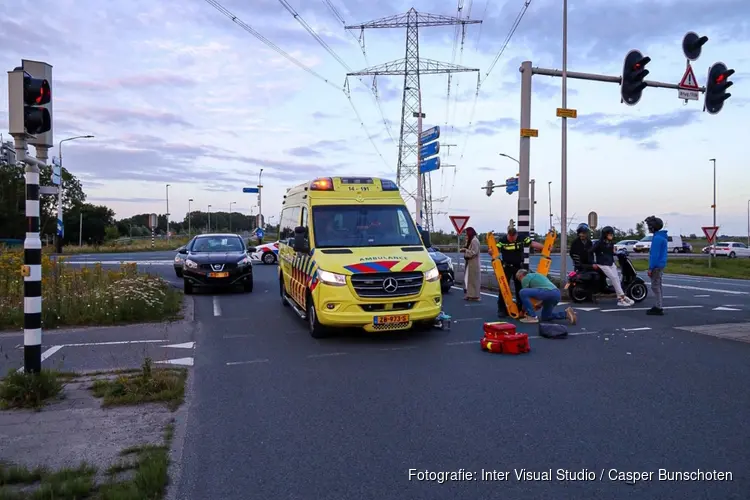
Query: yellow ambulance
x,y
350,255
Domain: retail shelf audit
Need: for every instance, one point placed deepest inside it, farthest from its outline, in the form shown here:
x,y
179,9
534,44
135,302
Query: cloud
x,y
640,128
133,117
139,82
109,199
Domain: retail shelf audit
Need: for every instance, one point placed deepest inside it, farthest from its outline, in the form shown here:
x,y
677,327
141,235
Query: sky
x,y
177,93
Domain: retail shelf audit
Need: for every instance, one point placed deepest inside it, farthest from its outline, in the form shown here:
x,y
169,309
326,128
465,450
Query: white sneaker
x,y
624,302
630,301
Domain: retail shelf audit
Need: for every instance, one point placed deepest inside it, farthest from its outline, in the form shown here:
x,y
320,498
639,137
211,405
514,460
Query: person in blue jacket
x,y
657,261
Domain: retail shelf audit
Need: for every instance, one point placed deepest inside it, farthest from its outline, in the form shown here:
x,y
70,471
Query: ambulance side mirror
x,y
426,238
300,240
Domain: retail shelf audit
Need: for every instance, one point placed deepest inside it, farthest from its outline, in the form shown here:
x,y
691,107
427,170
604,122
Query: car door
x,y
742,250
286,252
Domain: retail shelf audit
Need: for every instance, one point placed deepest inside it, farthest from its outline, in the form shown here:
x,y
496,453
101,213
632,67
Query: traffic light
x,y
490,186
633,73
27,97
716,87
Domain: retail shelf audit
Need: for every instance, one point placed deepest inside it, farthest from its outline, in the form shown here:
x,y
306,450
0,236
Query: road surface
x,y
277,414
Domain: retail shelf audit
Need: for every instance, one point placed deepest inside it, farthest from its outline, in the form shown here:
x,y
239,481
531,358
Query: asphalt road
x,y
277,414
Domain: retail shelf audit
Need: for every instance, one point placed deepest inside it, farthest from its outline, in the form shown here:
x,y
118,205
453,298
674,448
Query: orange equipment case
x,y
501,337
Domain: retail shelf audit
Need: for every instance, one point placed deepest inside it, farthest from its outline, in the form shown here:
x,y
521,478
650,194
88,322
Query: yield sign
x,y
710,232
459,222
688,81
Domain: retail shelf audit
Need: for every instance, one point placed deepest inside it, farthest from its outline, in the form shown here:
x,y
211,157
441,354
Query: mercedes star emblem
x,y
390,285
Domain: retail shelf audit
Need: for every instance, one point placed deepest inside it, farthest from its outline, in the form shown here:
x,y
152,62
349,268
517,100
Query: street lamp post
x,y
564,152
60,229
532,182
712,253
748,223
549,189
260,199
230,213
190,212
209,218
168,211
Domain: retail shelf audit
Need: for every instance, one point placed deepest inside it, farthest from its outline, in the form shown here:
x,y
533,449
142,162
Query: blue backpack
x,y
553,331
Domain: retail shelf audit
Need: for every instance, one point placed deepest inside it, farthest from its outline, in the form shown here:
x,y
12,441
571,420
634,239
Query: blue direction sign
x,y
429,135
249,190
60,228
429,165
511,185
56,175
430,149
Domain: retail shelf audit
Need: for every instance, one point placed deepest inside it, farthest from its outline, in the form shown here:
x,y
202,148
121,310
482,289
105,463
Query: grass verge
x,y
88,296
721,267
127,246
148,385
141,473
31,390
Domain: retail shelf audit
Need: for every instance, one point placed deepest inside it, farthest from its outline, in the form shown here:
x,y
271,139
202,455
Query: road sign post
x,y
459,223
153,221
593,220
710,232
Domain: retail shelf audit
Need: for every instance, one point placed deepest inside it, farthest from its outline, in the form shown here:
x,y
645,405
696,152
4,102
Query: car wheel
x,y
178,272
317,331
269,258
445,288
675,250
187,287
732,255
247,287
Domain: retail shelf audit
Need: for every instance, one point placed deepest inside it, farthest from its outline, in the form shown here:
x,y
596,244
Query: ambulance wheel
x,y
269,258
317,331
282,291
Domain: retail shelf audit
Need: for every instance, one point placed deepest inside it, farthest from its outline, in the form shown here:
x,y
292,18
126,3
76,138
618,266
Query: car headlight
x,y
245,261
178,258
332,279
450,263
191,264
432,275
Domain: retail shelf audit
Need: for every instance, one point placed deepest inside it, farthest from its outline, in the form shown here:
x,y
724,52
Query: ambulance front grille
x,y
371,285
391,326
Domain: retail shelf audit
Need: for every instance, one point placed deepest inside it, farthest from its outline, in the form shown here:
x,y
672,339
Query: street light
x,y
260,206
190,200
549,188
209,218
713,246
532,182
168,211
230,213
509,157
60,229
748,223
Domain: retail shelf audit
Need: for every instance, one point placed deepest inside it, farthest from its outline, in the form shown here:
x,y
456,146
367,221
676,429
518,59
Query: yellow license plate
x,y
567,285
218,275
388,320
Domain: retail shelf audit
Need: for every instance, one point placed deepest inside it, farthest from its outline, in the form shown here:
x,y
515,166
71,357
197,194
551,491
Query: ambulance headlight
x,y
432,275
332,279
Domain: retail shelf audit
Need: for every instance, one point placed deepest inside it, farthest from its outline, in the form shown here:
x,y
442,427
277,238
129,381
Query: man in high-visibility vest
x,y
511,253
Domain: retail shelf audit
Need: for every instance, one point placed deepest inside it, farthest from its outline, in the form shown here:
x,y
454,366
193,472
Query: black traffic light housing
x,y
633,73
692,45
36,93
716,87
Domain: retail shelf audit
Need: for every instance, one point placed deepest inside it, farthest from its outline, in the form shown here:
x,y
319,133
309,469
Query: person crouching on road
x,y
472,269
604,253
539,287
657,261
511,253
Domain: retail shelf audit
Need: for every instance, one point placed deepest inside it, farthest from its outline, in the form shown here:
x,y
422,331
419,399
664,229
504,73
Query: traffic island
x,y
104,435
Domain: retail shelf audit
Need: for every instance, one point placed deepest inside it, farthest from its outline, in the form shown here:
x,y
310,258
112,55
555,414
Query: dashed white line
x,y
463,343
252,361
686,287
217,306
117,342
406,348
327,355
647,308
642,329
698,296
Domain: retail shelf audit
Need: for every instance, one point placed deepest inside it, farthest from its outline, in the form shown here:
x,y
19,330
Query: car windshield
x,y
363,226
647,238
217,244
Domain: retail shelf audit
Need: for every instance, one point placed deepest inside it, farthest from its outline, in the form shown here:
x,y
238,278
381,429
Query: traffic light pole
x,y
32,260
593,77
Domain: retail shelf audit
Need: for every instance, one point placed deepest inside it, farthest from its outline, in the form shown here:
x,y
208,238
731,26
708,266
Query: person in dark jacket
x,y
511,254
580,254
657,261
604,255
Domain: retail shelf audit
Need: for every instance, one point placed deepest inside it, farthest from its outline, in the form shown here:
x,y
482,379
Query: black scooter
x,y
587,285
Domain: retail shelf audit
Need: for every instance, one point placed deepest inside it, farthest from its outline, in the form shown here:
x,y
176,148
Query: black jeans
x,y
510,275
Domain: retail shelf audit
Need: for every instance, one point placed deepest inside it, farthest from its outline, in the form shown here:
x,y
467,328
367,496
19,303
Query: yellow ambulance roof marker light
x,y
322,184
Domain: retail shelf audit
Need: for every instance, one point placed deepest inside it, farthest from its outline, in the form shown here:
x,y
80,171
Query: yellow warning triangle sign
x,y
688,81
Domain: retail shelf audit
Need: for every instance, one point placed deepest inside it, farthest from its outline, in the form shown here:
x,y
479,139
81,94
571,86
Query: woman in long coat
x,y
472,268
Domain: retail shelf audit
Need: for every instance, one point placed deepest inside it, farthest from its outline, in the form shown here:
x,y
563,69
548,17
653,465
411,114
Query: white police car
x,y
268,253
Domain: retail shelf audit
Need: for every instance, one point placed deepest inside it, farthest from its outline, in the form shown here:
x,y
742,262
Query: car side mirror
x,y
426,238
183,251
300,240
251,249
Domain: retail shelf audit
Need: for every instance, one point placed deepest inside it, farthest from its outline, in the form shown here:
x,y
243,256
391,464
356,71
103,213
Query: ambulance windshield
x,y
337,226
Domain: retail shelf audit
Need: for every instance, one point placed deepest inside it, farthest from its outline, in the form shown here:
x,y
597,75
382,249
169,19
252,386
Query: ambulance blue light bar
x,y
388,185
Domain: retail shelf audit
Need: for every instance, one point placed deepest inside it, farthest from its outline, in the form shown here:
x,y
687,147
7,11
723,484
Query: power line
x,y
284,54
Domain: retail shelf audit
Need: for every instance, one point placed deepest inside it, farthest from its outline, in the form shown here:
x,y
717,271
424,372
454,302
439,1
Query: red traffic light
x,y
36,91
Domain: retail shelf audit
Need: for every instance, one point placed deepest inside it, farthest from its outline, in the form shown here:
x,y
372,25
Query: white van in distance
x,y
674,244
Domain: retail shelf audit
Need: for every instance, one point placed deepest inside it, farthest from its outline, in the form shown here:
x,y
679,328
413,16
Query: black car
x,y
216,260
445,267
179,260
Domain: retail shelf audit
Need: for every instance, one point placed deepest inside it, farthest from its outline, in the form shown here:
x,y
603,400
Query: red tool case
x,y
501,337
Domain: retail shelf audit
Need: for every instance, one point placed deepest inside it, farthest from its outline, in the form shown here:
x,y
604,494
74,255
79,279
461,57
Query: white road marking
x,y
217,306
646,308
253,361
46,354
406,348
463,343
184,345
466,319
725,309
642,329
117,342
673,296
587,309
685,287
239,336
179,361
698,296
326,355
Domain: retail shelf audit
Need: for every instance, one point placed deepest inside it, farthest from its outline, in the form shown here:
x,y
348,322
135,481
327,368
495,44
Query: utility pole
x,y
209,219
190,213
168,212
60,227
260,205
533,202
230,213
80,229
712,253
564,152
549,188
412,67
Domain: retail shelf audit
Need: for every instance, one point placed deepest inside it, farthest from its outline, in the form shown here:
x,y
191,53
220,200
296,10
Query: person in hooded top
x,y
657,261
603,251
